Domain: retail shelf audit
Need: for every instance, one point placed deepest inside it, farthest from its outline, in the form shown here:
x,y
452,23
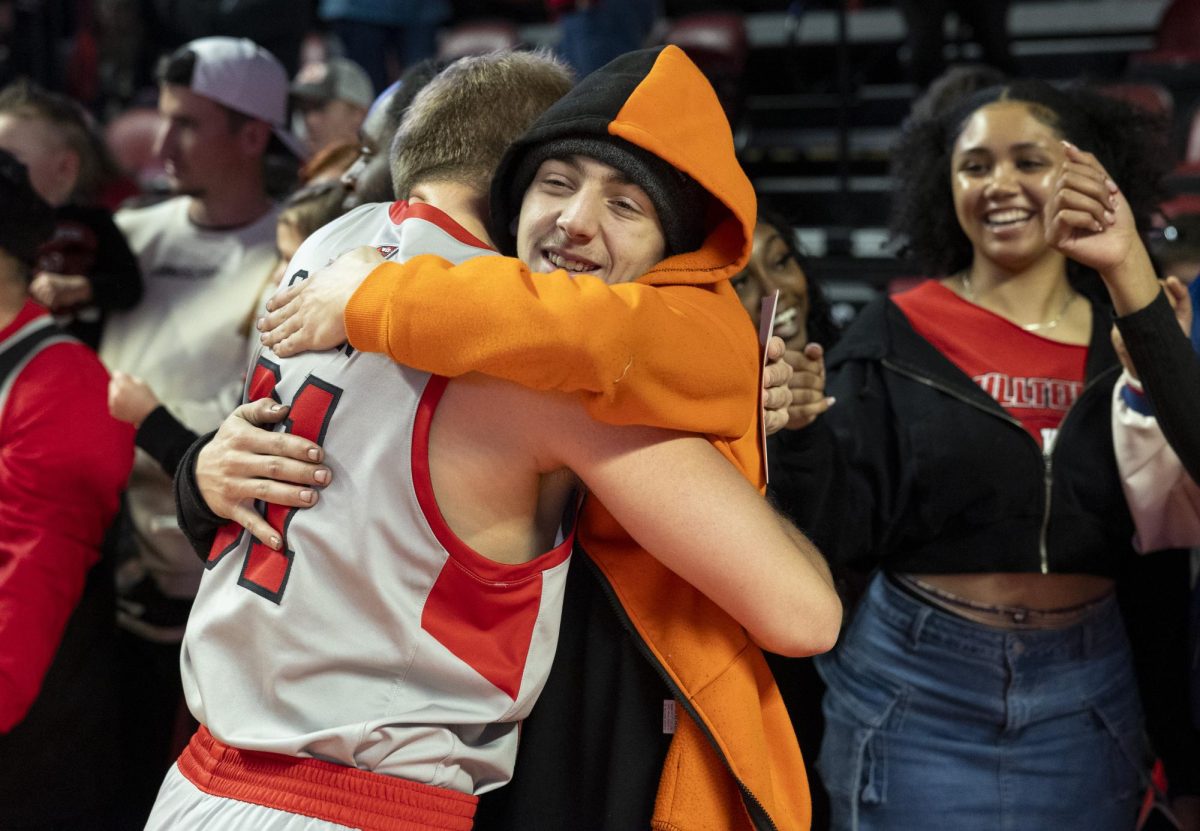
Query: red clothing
x,y
1035,379
63,463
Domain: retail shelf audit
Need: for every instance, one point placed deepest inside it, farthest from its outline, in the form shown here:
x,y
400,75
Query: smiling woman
x,y
776,263
974,435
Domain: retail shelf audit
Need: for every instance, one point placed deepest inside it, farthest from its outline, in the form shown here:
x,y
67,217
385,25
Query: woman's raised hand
x,y
1087,217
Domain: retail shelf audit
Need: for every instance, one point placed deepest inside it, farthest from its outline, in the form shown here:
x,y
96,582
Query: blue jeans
x,y
933,721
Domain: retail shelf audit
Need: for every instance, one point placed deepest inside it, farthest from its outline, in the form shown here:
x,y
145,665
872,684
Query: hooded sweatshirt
x,y
672,349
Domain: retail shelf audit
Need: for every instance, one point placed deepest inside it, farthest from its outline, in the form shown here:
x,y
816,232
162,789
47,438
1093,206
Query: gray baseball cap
x,y
337,79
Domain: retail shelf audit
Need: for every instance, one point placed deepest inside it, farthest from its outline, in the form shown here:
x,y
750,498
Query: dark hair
x,y
954,85
313,206
1129,142
26,221
176,68
819,324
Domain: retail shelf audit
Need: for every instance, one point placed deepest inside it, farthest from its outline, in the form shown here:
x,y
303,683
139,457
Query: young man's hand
x,y
59,292
308,316
777,396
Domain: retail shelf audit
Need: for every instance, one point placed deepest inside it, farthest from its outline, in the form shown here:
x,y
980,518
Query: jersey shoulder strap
x,y
23,346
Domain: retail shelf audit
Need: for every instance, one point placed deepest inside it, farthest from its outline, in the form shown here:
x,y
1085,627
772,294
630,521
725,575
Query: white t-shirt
x,y
189,340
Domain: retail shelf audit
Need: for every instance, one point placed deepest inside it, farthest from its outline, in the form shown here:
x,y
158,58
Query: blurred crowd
x,y
998,464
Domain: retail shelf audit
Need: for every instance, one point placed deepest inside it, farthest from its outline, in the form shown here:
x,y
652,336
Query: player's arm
x,y
639,354
63,464
689,507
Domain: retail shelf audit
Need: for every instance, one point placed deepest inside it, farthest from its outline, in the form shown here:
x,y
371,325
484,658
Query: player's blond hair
x,y
458,127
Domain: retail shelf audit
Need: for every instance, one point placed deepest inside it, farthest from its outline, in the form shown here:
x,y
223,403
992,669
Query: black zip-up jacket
x,y
939,478
917,469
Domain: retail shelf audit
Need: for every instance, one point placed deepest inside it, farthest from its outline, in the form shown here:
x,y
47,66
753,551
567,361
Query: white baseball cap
x,y
244,77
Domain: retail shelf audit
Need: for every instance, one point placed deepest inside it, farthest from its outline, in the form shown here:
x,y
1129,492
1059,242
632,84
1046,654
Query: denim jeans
x,y
936,722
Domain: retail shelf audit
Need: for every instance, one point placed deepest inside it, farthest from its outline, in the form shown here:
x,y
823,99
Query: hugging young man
x,y
642,140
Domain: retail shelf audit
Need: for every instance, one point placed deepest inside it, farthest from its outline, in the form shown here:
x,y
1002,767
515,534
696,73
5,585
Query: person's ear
x,y
254,137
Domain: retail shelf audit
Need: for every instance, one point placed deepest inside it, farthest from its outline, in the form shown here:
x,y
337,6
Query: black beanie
x,y
678,199
26,220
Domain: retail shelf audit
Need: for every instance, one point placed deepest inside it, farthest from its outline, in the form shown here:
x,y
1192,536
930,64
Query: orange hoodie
x,y
673,349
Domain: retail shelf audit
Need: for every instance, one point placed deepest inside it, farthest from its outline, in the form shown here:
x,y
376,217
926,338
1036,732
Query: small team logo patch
x,y
386,250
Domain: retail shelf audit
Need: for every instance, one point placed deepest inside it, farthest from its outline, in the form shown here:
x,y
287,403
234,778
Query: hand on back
x,y
309,315
246,461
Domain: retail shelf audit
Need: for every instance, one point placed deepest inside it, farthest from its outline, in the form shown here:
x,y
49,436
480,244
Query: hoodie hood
x,y
659,101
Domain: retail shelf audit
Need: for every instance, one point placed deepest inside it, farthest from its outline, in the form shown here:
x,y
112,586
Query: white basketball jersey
x,y
377,640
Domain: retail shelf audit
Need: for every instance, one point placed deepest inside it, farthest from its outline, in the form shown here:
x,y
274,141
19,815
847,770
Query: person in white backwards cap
x,y
206,255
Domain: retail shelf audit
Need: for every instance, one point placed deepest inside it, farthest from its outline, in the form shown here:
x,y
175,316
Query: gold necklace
x,y
965,278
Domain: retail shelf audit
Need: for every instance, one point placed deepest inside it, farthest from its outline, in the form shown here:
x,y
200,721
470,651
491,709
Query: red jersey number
x,y
265,571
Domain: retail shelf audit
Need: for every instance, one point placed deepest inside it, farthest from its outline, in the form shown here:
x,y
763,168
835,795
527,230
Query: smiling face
x,y
584,216
773,265
1002,172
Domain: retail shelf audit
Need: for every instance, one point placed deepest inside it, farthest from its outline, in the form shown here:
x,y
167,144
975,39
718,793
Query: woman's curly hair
x,y
1128,141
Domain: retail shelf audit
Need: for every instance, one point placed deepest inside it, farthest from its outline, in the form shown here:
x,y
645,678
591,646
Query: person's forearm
x,y
1133,285
808,551
116,278
165,438
198,523
639,354
808,483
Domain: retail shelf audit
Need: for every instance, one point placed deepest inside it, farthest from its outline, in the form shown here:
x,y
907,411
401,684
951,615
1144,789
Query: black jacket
x,y
86,241
917,469
938,478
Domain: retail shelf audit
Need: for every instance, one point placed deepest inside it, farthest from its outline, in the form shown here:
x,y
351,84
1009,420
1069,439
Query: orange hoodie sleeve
x,y
680,357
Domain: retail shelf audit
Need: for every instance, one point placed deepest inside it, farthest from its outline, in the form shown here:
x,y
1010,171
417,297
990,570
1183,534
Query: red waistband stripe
x,y
322,790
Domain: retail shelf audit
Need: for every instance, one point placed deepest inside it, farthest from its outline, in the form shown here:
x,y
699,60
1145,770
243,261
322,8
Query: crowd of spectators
x,y
273,119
